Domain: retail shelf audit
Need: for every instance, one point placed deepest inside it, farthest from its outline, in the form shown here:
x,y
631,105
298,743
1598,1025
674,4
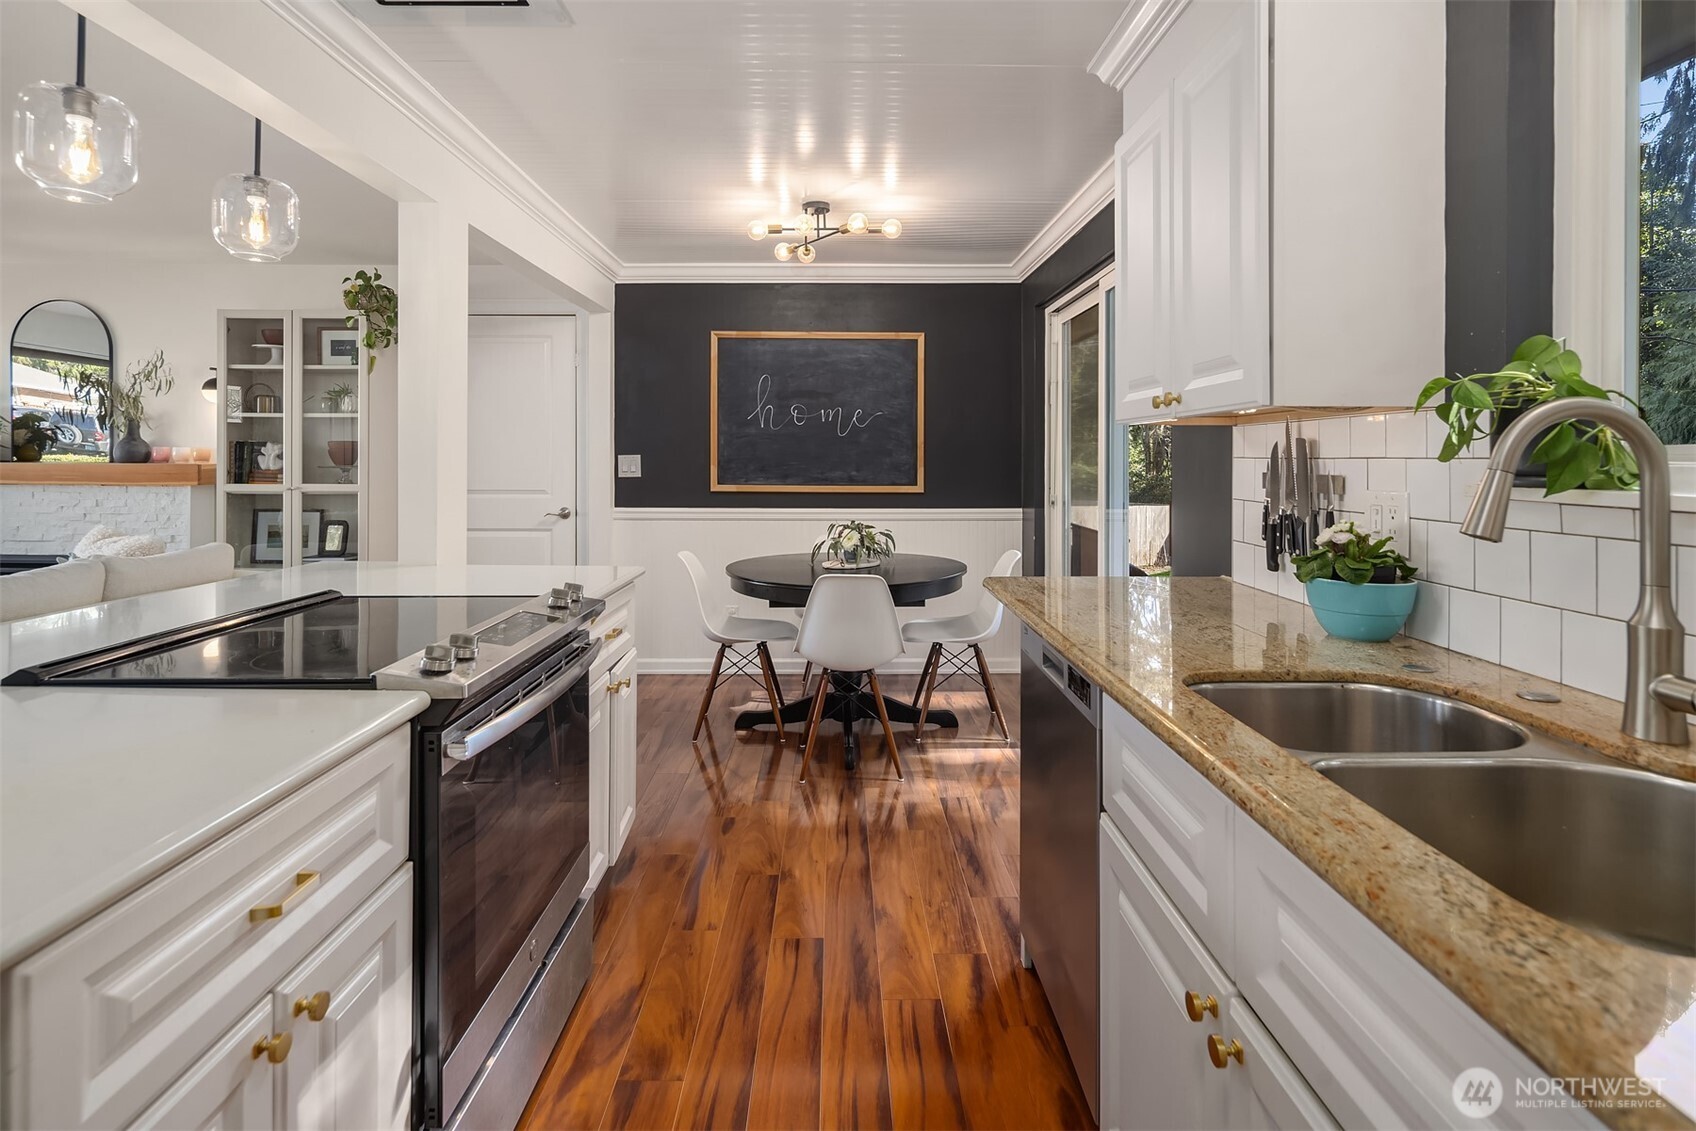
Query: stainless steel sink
x,y
1361,718
1602,847
1592,842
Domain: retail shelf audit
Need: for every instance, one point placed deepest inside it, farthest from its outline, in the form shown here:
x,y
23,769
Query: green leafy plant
x,y
33,435
1345,552
116,402
854,540
365,293
333,397
1542,369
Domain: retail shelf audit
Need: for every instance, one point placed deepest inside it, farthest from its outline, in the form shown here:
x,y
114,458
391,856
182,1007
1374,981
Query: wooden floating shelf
x,y
110,474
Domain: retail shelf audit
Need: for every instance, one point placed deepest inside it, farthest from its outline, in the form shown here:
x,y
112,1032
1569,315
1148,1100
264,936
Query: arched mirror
x,y
62,370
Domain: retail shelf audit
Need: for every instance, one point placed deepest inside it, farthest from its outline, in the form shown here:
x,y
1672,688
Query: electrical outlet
x,y
1386,514
630,467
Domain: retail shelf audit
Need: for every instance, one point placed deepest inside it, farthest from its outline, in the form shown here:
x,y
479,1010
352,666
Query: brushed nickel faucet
x,y
1656,693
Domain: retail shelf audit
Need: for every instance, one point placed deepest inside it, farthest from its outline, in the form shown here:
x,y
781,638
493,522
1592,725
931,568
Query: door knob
x,y
563,512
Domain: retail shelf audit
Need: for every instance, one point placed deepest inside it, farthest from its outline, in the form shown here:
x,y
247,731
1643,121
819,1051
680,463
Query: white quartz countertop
x,y
102,789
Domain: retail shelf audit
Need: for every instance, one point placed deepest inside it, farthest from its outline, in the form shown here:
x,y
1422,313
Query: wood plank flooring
x,y
840,954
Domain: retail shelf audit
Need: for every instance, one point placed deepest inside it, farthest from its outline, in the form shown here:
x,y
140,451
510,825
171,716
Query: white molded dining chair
x,y
849,627
954,640
731,634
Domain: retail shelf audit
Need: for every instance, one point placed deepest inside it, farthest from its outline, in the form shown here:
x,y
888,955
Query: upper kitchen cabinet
x,y
1280,204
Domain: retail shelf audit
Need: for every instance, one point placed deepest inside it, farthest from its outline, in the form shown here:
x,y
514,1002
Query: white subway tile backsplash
x,y
1684,528
1435,433
1243,563
1430,619
1448,555
1239,443
1427,489
1386,474
1593,654
1599,522
1464,476
1531,638
1475,624
1404,436
1684,586
1366,436
1334,438
1504,568
1563,571
1526,515
1616,578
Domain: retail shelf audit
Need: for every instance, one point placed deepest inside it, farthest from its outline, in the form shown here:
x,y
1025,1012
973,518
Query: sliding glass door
x,y
1079,348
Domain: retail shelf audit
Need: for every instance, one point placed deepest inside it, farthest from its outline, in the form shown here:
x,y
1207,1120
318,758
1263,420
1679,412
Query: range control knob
x,y
438,660
464,645
565,597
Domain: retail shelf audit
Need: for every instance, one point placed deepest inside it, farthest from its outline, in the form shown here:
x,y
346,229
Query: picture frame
x,y
311,534
267,536
338,347
335,538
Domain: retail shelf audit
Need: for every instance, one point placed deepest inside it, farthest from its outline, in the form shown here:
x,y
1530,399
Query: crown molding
x,y
1141,26
1083,206
818,272
350,42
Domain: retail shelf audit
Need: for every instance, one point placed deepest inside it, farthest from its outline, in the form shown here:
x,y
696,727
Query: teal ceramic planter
x,y
1373,612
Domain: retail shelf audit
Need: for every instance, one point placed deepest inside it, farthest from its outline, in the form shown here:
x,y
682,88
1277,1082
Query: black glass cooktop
x,y
338,642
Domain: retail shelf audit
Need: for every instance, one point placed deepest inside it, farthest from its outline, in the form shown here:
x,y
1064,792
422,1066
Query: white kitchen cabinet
x,y
1287,257
600,779
1266,1091
621,741
348,1007
227,1087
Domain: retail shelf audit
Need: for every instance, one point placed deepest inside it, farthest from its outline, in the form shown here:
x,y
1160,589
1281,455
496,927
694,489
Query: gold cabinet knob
x,y
1199,1006
315,1007
1174,398
1156,401
274,1048
1221,1052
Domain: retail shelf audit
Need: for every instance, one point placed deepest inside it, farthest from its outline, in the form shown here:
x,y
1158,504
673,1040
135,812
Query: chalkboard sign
x,y
826,412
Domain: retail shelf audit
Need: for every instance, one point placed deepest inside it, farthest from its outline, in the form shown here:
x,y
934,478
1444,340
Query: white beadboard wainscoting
x,y
1551,598
671,622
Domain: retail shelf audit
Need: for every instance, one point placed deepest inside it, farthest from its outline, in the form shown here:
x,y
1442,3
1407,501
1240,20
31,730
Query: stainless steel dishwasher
x,y
1060,804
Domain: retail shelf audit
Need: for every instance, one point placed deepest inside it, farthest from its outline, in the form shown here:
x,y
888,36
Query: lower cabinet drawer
x,y
616,627
101,1021
1378,1038
228,1087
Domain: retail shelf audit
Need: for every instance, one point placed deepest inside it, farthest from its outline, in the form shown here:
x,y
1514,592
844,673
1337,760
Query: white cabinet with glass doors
x,y
292,428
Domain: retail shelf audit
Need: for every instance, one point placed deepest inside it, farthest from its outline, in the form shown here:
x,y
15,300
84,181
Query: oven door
x,y
511,841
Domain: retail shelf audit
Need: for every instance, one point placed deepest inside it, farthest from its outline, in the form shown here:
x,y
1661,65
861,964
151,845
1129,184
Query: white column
x,y
431,388
596,458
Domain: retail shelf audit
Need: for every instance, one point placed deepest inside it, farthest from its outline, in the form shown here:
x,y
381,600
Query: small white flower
x,y
851,540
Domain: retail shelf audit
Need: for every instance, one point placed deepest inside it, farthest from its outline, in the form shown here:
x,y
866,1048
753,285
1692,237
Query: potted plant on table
x,y
1359,588
853,545
32,436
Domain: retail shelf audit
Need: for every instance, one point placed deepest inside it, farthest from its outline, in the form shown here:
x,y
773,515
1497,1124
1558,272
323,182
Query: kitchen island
x,y
1573,1005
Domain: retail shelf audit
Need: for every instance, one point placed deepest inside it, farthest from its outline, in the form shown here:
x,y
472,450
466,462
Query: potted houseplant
x,y
340,398
365,293
32,436
853,545
113,401
1359,588
1542,369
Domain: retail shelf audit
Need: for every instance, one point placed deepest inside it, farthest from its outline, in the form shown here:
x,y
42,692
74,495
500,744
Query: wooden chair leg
x,y
989,693
707,699
772,693
888,731
806,675
813,718
929,688
924,673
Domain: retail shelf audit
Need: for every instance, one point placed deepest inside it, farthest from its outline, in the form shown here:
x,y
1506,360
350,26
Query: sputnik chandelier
x,y
813,225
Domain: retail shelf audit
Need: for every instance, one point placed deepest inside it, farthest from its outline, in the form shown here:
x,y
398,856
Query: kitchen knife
x,y
1291,544
1304,506
1275,511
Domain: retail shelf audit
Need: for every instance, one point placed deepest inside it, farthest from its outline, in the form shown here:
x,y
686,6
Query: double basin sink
x,y
1595,843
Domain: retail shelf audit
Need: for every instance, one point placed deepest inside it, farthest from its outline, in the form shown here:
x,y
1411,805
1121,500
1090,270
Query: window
x,y
1666,292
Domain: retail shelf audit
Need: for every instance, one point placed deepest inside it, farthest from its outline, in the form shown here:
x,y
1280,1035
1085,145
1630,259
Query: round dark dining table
x,y
786,580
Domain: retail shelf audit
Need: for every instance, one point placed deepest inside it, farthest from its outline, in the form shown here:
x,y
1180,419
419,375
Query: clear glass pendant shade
x,y
255,218
74,143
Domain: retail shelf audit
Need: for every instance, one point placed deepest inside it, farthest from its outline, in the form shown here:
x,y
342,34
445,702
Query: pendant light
x,y
255,217
74,143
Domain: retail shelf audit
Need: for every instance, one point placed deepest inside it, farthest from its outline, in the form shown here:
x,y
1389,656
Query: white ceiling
x,y
187,139
665,126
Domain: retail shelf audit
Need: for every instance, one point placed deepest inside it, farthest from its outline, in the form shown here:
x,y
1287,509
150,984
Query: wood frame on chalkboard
x,y
915,488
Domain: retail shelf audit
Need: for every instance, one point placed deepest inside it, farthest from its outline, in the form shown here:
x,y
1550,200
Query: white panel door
x,y
1266,1093
621,734
228,1088
350,1067
522,431
1219,222
1142,357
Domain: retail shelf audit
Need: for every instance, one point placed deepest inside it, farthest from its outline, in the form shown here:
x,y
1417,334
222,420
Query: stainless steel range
x,y
500,814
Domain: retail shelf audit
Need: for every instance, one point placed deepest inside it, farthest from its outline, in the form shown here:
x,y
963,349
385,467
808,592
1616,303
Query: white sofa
x,y
71,585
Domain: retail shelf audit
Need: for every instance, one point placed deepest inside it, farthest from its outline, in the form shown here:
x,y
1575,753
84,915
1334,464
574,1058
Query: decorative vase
x,y
1374,612
26,453
132,448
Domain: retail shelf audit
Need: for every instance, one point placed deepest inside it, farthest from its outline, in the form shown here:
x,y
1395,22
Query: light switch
x,y
630,467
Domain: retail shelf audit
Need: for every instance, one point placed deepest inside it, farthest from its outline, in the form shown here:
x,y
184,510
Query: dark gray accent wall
x,y
1088,251
661,338
1499,178
1201,501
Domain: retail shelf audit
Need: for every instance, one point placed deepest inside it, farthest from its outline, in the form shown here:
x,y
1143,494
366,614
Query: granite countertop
x,y
1578,1004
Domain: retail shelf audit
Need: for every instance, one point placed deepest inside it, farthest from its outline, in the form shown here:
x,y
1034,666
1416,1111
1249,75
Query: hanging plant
x,y
365,293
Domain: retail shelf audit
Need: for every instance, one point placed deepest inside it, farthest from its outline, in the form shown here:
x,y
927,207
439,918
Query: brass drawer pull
x,y
275,1048
303,883
1221,1052
1200,1005
614,633
315,1007
617,685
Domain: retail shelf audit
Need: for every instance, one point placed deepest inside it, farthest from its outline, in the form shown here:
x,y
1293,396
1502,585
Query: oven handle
x,y
539,699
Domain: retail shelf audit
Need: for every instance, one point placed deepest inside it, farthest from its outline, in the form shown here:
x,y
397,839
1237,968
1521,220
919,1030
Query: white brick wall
x,y
53,519
1551,598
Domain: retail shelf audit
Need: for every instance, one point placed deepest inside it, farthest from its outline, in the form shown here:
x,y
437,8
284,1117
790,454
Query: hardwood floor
x,y
839,954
